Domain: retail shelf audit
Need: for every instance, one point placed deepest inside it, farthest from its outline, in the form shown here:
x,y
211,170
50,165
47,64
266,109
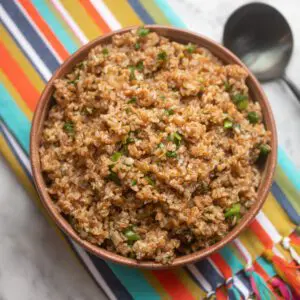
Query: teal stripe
x,y
289,168
55,25
231,259
267,266
135,282
14,118
169,13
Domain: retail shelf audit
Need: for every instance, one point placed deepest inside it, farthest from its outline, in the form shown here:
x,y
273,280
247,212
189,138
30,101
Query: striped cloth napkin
x,y
35,38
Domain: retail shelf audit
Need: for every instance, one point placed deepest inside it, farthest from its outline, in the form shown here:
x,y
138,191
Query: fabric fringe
x,y
287,271
282,287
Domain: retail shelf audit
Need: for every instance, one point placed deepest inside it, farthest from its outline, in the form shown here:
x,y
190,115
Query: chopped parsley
x,y
69,128
171,154
142,32
162,56
133,182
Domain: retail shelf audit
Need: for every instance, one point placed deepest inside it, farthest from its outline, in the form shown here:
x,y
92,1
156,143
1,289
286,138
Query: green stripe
x,y
135,282
14,118
288,188
231,259
156,14
267,266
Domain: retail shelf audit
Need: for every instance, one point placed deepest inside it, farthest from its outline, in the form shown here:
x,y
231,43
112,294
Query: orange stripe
x,y
44,28
172,285
18,78
95,16
220,294
295,238
221,264
261,234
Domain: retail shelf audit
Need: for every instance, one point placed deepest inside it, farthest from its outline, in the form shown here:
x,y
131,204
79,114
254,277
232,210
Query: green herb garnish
x,y
190,48
132,100
253,117
234,210
137,46
115,157
142,32
228,124
140,66
105,51
162,56
69,128
161,146
113,176
227,86
150,180
169,112
171,154
265,149
133,182
240,100
132,73
131,235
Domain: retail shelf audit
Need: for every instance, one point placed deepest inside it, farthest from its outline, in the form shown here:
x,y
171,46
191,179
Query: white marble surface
x,y
34,262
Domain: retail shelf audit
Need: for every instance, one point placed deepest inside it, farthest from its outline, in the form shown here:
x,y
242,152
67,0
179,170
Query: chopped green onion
x,y
132,100
105,51
242,105
169,112
227,86
171,154
113,176
129,140
190,48
233,210
131,235
150,180
265,149
161,146
238,98
177,138
69,128
132,74
140,66
162,56
133,182
253,117
137,46
142,32
116,156
228,124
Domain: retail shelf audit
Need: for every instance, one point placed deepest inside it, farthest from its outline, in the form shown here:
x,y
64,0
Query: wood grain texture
x,y
182,36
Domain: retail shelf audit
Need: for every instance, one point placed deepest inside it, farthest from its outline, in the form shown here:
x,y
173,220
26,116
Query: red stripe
x,y
258,268
172,285
95,16
295,238
261,234
220,295
44,28
222,265
18,78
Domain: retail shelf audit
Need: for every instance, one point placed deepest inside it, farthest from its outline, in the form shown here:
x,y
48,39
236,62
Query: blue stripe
x,y
245,280
231,259
169,13
135,282
14,151
112,281
14,118
267,266
284,202
211,275
140,10
24,52
50,18
289,168
31,35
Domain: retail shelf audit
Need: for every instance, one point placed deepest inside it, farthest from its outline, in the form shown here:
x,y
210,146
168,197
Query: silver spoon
x,y
262,38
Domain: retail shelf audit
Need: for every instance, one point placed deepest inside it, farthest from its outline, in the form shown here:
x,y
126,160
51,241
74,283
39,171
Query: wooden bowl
x,y
182,36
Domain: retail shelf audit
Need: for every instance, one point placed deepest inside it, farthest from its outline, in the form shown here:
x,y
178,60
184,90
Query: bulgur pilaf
x,y
151,147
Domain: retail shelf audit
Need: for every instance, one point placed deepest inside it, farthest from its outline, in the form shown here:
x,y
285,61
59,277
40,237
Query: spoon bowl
x,y
262,38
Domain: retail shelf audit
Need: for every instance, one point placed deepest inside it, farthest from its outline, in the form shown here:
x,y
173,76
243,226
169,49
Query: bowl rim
x,y
42,108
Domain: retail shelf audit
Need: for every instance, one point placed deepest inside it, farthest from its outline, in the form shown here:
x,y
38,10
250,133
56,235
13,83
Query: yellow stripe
x,y
156,14
278,217
22,61
123,12
20,102
251,242
189,283
81,17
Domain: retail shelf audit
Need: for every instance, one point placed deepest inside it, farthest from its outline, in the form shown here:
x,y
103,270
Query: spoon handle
x,y
292,86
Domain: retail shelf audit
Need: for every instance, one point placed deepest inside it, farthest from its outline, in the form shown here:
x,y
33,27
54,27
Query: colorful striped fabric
x,y
35,38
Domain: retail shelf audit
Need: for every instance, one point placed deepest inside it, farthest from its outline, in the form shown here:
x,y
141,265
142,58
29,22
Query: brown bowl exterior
x,y
182,36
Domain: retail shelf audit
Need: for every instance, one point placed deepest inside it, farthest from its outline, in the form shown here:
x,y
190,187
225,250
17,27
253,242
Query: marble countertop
x,y
34,262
